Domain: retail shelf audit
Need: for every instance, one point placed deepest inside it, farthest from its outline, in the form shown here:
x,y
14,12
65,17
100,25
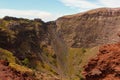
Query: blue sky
x,y
54,6
50,9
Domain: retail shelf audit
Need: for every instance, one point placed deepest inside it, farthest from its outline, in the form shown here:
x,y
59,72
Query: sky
x,y
49,10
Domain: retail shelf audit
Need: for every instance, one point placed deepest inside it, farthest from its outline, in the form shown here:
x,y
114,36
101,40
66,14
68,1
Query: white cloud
x,y
30,14
110,3
80,4
84,5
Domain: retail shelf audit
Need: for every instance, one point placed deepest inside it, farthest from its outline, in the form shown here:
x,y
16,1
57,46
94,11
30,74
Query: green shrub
x,y
26,62
83,50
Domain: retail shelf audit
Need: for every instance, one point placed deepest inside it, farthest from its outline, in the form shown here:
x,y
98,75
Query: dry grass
x,y
7,55
21,69
77,58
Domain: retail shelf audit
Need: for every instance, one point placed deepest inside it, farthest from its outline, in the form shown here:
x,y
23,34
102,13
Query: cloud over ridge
x,y
84,5
30,14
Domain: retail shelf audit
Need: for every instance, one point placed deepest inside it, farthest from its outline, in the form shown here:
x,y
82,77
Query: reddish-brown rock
x,y
106,66
7,73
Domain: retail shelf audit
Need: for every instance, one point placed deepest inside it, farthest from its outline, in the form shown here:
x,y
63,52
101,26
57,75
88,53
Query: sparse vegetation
x,y
26,62
7,55
77,58
21,69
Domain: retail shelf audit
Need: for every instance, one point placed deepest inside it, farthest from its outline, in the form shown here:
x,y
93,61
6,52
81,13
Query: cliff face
x,y
59,47
90,28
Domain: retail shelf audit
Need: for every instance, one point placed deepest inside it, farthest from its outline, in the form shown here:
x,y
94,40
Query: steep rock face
x,y
59,47
106,66
90,28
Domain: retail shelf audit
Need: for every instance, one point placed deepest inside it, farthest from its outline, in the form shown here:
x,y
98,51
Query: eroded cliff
x,y
91,28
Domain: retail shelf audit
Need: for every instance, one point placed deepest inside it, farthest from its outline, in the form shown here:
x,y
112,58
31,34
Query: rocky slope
x,y
7,73
106,66
91,28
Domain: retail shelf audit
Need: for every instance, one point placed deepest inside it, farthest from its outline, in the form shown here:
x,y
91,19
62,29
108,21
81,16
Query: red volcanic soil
x,y
6,73
106,66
